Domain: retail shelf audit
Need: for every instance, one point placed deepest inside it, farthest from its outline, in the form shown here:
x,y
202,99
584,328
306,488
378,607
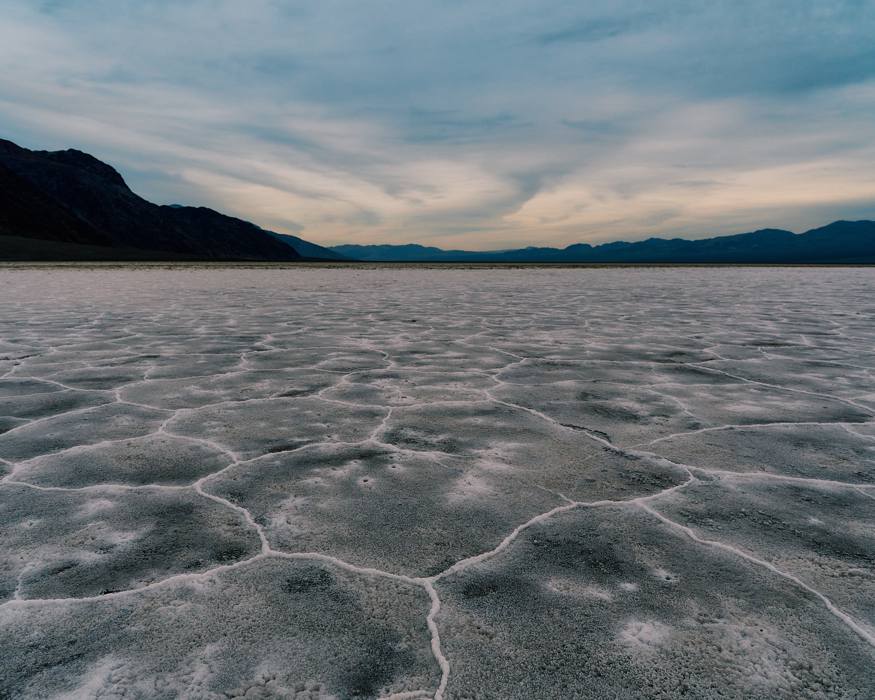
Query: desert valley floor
x,y
437,483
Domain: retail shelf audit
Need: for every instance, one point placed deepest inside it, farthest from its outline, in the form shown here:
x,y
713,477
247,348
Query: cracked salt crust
x,y
169,438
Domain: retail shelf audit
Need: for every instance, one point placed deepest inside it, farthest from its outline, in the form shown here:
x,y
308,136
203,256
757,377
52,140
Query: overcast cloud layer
x,y
461,123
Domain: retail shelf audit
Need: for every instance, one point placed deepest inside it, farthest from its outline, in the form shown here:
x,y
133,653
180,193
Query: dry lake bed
x,y
437,483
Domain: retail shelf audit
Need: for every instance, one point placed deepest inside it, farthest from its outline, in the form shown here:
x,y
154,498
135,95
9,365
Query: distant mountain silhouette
x,y
60,205
839,242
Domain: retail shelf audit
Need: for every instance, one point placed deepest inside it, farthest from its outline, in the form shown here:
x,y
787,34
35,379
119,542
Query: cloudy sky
x,y
461,123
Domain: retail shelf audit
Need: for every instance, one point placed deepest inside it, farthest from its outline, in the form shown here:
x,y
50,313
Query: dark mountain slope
x,y
16,248
23,208
307,249
71,197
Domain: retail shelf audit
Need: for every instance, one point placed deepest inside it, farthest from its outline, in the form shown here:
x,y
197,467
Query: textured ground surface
x,y
453,483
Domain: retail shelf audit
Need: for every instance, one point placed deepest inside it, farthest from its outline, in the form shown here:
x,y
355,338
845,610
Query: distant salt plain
x,y
437,483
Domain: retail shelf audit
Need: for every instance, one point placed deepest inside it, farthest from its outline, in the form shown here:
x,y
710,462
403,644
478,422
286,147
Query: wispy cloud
x,y
461,123
598,29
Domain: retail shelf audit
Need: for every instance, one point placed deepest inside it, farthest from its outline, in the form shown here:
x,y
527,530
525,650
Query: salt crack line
x,y
865,409
265,546
505,543
346,566
87,447
809,481
849,621
340,402
233,456
436,650
170,580
62,414
65,387
96,487
746,426
849,427
380,429
45,393
603,441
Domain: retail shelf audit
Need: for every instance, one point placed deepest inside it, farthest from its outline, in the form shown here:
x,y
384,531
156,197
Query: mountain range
x,y
838,242
68,205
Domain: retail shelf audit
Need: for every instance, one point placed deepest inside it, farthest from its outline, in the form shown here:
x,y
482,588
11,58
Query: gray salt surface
x,y
437,483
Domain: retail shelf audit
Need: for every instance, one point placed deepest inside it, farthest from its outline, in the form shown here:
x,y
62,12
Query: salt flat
x,y
437,483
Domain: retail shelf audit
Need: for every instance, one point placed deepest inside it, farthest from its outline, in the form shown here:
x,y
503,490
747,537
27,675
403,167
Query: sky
x,y
461,123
